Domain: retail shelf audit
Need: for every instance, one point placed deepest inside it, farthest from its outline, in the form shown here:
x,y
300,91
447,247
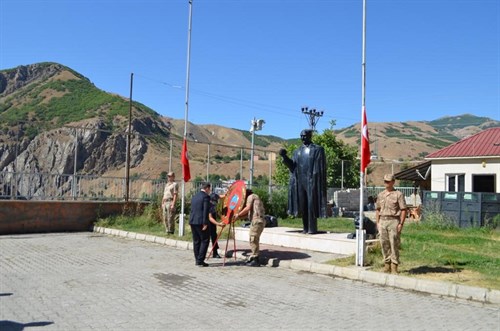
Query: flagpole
x,y
183,186
360,233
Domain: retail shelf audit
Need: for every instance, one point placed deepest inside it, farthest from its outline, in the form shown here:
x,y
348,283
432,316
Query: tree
x,y
336,151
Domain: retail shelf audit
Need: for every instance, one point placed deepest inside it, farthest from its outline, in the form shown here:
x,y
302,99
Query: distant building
x,y
469,165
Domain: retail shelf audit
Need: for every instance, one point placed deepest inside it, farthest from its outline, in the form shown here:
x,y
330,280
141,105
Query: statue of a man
x,y
307,188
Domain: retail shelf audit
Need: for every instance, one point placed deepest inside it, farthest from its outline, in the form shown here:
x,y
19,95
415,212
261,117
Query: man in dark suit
x,y
198,220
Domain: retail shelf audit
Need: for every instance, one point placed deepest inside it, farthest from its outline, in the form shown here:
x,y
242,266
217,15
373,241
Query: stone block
x,y
471,293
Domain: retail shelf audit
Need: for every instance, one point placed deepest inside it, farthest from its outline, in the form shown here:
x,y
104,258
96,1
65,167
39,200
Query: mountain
x,y
51,115
407,141
396,146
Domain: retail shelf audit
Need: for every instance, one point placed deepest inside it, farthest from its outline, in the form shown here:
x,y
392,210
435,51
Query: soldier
x,y
390,215
254,208
168,203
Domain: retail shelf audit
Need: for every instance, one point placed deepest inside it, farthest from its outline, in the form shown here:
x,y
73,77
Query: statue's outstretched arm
x,y
286,160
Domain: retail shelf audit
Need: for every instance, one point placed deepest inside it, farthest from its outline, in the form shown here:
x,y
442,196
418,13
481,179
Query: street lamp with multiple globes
x,y
256,125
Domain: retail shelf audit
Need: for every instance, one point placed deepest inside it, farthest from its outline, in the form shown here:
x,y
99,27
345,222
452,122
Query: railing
x,y
45,186
375,190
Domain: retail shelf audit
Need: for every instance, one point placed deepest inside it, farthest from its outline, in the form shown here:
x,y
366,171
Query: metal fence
x,y
375,190
47,186
463,209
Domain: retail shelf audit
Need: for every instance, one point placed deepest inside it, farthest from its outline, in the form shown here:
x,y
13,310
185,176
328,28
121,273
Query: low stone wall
x,y
18,217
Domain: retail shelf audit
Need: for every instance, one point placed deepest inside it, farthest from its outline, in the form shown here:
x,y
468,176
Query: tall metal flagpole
x,y
183,186
360,232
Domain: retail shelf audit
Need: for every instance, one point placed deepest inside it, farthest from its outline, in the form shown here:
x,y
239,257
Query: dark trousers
x,y
212,229
200,242
309,218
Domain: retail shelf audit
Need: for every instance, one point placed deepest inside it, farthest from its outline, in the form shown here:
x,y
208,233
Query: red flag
x,y
185,162
365,143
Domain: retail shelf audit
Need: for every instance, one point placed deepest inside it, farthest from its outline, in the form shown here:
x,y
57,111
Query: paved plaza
x,y
90,281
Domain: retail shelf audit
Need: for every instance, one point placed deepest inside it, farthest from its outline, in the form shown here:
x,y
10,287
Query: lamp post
x,y
256,125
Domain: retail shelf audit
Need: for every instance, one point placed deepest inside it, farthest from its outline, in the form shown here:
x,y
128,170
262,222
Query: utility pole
x,y
127,162
312,116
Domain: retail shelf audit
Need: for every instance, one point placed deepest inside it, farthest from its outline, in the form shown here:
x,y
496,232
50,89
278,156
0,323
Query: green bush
x,y
275,204
278,204
492,222
437,220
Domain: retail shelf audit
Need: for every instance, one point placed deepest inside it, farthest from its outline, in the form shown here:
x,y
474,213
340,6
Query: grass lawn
x,y
464,256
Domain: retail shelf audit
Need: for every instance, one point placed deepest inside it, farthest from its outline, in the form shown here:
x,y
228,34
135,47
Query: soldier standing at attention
x,y
390,216
168,203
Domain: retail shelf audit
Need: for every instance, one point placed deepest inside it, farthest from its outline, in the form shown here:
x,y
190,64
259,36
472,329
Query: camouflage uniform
x,y
256,216
170,191
390,205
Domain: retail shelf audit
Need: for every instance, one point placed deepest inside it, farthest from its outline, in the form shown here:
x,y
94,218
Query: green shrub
x,y
492,222
437,220
274,204
278,204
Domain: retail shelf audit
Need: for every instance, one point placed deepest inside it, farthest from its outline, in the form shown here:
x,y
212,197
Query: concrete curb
x,y
457,291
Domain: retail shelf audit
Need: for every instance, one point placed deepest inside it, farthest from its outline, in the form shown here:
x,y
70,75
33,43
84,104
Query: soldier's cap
x,y
170,174
389,178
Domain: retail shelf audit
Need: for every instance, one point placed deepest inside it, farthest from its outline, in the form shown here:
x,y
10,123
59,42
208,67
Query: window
x,y
455,183
483,183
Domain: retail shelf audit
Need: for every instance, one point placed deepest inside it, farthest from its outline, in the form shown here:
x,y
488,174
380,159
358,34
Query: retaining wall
x,y
18,217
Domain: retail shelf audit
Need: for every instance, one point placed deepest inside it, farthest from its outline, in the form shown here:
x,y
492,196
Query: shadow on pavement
x,y
15,326
266,254
229,263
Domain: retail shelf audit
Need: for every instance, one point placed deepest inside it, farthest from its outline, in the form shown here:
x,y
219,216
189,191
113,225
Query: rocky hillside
x,y
406,141
41,107
50,115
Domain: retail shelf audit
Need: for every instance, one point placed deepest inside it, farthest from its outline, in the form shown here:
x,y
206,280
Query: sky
x,y
266,59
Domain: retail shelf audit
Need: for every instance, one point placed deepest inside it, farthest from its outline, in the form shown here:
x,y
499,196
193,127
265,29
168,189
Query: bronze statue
x,y
307,188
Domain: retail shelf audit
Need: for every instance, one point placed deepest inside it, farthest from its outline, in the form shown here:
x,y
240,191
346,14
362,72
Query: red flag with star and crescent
x,y
365,143
186,173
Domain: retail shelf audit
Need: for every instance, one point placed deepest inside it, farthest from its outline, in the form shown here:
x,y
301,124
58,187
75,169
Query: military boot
x,y
253,262
387,268
394,268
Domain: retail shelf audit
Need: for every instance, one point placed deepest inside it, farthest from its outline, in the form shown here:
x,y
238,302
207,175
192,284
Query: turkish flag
x,y
185,162
365,143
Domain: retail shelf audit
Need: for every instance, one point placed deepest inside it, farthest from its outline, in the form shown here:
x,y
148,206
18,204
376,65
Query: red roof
x,y
484,143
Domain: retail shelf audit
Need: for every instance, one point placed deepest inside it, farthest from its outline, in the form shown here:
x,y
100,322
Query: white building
x,y
469,165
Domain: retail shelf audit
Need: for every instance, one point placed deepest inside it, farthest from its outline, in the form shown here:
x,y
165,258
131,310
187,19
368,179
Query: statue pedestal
x,y
336,243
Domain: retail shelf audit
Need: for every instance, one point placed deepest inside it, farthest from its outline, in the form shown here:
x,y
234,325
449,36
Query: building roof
x,y
484,143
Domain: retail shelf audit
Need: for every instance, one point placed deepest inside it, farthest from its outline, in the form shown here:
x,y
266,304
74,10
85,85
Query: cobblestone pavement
x,y
89,281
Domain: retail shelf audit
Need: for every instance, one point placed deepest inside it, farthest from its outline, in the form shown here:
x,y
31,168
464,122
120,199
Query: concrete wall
x,y
55,216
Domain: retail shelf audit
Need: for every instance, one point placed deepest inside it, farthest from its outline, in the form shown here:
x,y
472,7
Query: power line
x,y
291,112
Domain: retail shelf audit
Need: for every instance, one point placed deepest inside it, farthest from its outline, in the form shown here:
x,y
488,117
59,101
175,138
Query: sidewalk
x,y
311,261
